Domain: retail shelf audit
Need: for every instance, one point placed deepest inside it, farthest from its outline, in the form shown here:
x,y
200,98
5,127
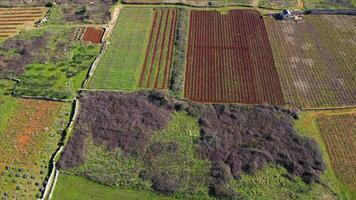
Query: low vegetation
x,y
179,53
50,64
78,188
157,144
273,183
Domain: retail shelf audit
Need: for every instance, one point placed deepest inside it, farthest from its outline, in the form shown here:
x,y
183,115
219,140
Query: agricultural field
x,y
339,134
230,59
185,99
186,2
119,69
155,72
315,59
13,20
31,134
93,35
69,11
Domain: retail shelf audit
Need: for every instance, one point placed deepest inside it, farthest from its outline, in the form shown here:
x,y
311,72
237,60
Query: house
x,y
286,14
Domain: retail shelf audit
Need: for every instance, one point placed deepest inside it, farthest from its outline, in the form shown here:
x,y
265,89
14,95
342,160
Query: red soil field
x,y
158,59
35,117
93,35
230,59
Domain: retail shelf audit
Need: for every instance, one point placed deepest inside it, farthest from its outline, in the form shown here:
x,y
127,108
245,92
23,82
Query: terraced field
x,y
315,59
119,69
14,19
339,134
156,68
230,59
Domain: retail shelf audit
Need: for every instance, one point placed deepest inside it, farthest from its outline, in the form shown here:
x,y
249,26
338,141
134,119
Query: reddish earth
x,y
158,59
230,59
32,117
93,35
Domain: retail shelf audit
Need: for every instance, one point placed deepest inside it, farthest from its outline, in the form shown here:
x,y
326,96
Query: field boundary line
x,y
329,108
43,98
49,189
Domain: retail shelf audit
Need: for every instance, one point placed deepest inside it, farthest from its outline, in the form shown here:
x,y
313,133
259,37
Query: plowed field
x,y
14,19
315,59
339,134
93,35
158,60
230,59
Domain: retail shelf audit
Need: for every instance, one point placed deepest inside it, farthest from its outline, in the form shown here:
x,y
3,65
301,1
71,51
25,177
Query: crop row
x,y
12,19
230,60
158,58
338,132
315,60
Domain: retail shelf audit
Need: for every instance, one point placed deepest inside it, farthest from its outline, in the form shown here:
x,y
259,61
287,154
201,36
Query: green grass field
x,y
71,187
120,67
8,104
272,183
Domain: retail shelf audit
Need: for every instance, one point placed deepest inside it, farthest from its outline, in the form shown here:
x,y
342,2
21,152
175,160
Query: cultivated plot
x,y
230,59
315,59
30,136
14,19
158,59
339,134
119,69
188,2
93,34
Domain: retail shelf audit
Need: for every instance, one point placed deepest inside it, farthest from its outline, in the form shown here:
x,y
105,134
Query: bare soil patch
x,y
93,35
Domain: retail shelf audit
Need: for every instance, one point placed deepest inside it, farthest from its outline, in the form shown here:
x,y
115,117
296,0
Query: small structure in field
x,y
287,14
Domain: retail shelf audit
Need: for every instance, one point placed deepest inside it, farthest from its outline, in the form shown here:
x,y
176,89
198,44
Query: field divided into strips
x,y
13,19
315,59
339,134
230,59
188,2
158,59
119,69
30,137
